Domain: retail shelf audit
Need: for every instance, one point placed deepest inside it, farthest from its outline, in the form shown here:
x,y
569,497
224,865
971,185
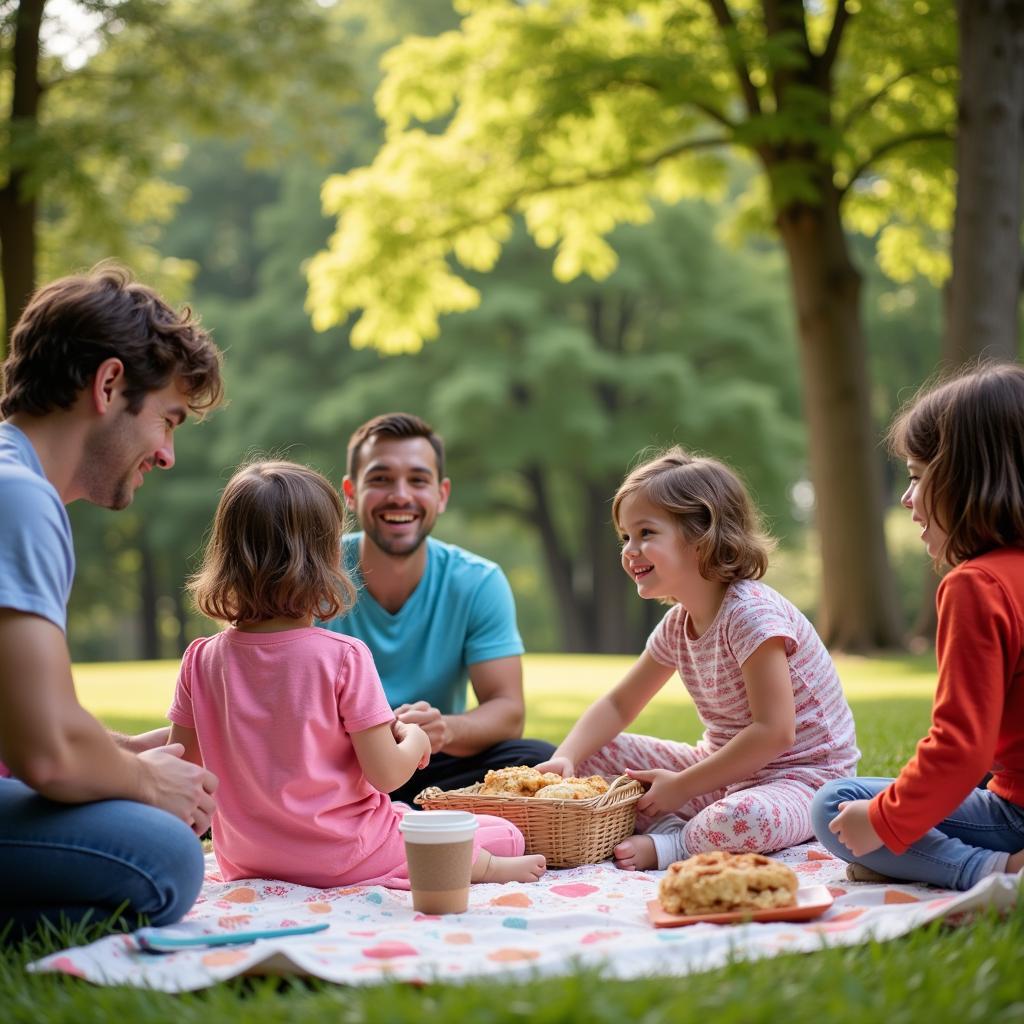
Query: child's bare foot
x,y
490,868
636,853
1016,862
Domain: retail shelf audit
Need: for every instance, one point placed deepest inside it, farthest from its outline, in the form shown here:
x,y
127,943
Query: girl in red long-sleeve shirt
x,y
963,442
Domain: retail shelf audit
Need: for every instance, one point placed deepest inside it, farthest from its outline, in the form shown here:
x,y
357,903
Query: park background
x,y
731,228
564,231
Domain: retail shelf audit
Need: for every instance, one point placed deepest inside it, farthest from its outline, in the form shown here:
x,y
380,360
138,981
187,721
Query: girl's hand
x,y
853,828
412,732
559,764
430,720
668,791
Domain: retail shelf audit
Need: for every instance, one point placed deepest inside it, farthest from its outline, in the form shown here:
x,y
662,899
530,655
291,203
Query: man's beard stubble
x,y
104,453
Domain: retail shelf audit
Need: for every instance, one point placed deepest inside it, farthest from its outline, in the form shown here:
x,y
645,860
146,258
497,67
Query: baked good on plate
x,y
720,882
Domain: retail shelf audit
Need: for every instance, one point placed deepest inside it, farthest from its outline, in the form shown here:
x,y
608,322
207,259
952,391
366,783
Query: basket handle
x,y
620,783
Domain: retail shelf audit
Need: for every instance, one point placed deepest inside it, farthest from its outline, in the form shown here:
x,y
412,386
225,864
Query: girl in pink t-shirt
x,y
292,718
776,723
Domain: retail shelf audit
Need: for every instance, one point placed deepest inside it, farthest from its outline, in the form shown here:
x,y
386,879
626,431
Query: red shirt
x,y
978,717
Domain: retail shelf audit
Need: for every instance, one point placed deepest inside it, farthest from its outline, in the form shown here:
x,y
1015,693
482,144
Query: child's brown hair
x,y
968,434
275,548
713,509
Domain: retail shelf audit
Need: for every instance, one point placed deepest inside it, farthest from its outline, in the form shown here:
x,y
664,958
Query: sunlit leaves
x,y
111,120
578,113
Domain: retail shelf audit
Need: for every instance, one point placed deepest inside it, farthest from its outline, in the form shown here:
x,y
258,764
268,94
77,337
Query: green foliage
x,y
247,230
522,382
579,116
113,115
545,393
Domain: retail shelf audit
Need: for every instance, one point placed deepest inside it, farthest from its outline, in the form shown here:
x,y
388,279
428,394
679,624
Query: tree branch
x,y
654,86
835,36
508,203
714,114
888,147
727,24
868,102
677,149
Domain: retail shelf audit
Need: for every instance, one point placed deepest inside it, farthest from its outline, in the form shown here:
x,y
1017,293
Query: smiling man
x,y
431,613
101,372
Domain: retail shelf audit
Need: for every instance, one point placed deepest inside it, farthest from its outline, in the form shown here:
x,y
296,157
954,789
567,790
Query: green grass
x,y
936,974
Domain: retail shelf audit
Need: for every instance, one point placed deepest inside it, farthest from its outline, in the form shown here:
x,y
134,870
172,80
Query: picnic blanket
x,y
586,917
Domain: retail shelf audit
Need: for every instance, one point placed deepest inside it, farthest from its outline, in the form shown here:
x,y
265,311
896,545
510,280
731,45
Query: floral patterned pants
x,y
762,814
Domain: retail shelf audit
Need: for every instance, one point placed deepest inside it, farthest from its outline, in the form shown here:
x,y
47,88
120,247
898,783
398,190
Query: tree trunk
x,y
149,631
858,610
612,589
17,204
181,613
572,618
984,293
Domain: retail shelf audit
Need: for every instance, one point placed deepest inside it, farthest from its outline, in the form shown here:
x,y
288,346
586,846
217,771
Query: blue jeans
x,y
954,855
90,860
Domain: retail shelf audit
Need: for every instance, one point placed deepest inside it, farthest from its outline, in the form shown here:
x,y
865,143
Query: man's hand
x,y
430,720
853,828
667,790
560,765
143,741
179,787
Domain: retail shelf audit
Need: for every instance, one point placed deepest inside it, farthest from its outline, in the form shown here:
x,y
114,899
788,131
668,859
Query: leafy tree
x,y
89,138
246,226
686,341
580,115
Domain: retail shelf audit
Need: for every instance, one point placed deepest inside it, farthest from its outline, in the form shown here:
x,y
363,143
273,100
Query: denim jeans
x,y
77,860
954,855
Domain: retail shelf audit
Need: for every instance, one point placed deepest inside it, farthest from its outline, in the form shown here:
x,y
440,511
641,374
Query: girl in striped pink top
x,y
776,723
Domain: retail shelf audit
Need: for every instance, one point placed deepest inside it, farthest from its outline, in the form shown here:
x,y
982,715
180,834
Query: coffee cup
x,y
439,849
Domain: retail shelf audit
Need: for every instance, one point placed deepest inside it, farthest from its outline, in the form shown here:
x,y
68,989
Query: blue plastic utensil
x,y
156,940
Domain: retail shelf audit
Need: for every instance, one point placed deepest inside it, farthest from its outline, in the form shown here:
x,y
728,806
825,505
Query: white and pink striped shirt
x,y
710,668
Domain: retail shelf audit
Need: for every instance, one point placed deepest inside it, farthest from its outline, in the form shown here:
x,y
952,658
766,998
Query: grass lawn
x,y
935,974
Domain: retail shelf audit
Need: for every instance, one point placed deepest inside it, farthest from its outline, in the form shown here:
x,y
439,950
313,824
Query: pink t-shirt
x,y
710,668
273,713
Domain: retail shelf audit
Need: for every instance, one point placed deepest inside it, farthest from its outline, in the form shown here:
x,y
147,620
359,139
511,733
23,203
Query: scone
x,y
563,791
719,882
573,789
519,780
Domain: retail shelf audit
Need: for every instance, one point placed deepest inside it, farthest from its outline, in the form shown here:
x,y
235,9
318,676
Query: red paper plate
x,y
811,901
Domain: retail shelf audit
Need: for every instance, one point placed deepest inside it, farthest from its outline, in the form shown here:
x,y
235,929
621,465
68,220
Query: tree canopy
x,y
92,133
580,116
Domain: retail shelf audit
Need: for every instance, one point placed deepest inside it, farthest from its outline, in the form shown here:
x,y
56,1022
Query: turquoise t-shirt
x,y
461,612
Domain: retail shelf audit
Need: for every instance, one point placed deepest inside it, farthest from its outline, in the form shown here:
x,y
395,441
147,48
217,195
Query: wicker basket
x,y
567,832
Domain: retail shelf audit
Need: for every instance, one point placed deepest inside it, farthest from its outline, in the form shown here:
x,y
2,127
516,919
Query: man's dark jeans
x,y
447,772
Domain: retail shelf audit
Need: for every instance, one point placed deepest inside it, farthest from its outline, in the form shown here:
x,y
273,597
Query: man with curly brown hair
x,y
100,374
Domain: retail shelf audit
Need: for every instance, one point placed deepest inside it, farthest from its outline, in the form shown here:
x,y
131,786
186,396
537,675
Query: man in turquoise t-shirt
x,y
432,614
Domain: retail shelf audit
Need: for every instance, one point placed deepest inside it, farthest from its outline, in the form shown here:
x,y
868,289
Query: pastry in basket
x,y
515,781
719,882
573,789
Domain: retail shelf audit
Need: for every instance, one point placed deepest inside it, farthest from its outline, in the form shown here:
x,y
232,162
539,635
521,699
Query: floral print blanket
x,y
586,917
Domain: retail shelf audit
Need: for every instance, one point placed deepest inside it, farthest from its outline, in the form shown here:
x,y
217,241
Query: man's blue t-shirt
x,y
37,556
461,612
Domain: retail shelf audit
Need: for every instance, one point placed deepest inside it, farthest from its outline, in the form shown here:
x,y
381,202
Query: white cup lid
x,y
440,823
